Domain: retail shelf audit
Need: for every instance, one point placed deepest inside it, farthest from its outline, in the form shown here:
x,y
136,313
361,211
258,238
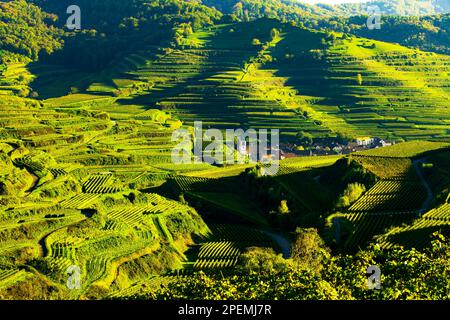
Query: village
x,y
332,147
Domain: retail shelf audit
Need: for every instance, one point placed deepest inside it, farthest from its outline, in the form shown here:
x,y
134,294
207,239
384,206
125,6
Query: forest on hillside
x,y
106,28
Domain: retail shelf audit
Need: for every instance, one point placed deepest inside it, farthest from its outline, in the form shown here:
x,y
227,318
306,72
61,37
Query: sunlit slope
x,y
238,75
215,77
401,93
219,81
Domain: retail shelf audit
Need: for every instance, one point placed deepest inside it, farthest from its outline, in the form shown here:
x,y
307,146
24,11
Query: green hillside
x,y
398,93
88,180
402,94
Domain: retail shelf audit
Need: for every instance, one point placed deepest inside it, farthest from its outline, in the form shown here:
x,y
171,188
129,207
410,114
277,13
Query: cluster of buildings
x,y
289,150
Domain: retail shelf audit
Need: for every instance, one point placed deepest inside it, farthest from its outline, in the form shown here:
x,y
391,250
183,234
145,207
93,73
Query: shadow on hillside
x,y
55,78
52,81
248,199
300,59
219,201
228,49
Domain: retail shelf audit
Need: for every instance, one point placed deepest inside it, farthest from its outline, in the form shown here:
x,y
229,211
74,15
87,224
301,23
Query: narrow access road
x,y
282,242
41,242
33,184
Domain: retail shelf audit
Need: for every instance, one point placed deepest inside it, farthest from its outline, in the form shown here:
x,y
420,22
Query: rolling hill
x,y
403,94
87,177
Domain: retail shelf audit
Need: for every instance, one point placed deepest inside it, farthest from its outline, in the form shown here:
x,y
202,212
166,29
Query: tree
x,y
181,199
186,29
407,274
246,16
351,194
305,138
309,250
238,9
342,138
256,42
343,202
283,208
331,36
274,33
23,92
263,261
359,79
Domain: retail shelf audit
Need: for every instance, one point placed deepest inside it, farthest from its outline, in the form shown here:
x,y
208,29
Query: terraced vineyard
x,y
188,183
217,255
130,216
395,200
100,184
208,86
225,244
389,195
293,165
81,201
419,233
10,276
400,95
234,203
368,225
441,213
388,168
86,170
